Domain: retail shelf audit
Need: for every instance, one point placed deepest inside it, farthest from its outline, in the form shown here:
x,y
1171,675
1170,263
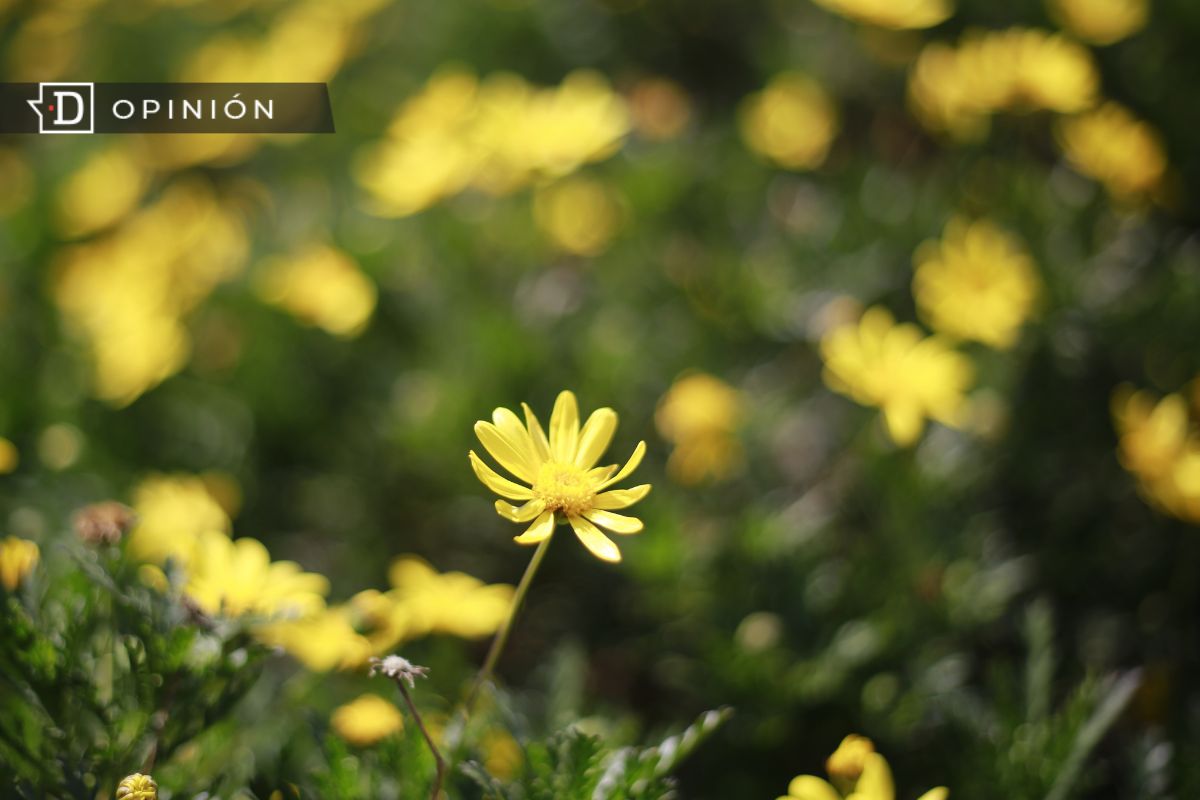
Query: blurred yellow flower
x,y
421,602
1101,21
236,577
949,93
976,283
862,774
322,286
562,481
955,90
328,639
907,375
452,603
580,121
1160,446
1051,72
700,415
850,759
366,720
172,511
580,215
896,14
9,456
308,40
791,122
128,292
659,108
497,136
18,557
101,192
502,754
1112,146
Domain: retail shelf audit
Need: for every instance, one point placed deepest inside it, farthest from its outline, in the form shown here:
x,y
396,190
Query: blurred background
x,y
901,295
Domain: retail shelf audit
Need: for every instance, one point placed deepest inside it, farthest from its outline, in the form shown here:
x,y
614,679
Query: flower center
x,y
564,487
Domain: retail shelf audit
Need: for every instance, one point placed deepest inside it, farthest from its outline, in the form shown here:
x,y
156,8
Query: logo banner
x,y
83,108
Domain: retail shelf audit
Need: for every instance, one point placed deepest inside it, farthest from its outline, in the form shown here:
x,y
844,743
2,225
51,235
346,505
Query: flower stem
x,y
437,755
498,643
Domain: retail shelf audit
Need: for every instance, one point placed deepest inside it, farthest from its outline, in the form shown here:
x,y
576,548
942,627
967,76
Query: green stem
x,y
438,761
489,664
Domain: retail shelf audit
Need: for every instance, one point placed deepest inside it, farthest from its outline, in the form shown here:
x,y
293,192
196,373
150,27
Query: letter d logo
x,y
65,107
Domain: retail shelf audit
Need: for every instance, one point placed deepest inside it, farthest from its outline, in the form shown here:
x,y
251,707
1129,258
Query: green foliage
x,y
573,765
104,675
1026,746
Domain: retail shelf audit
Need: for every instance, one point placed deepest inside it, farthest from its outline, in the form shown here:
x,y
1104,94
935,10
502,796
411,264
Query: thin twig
x,y
433,748
405,674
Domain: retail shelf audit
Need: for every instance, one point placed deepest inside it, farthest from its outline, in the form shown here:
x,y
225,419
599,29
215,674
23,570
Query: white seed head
x,y
398,668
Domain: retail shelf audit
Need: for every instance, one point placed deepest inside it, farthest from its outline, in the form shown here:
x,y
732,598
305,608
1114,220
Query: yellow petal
x,y
875,783
541,529
564,428
596,542
541,445
519,514
617,523
940,793
595,437
501,486
515,432
629,467
511,456
599,475
904,423
810,787
620,498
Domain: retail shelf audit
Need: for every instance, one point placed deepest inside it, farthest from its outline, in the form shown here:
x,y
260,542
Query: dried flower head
x,y
399,669
104,523
137,787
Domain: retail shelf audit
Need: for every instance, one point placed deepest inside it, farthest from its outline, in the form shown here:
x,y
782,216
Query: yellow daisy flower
x,y
1101,21
977,282
561,482
1160,446
792,121
9,456
850,759
452,603
700,414
955,90
236,577
18,557
864,774
367,720
322,286
1116,148
894,367
894,14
